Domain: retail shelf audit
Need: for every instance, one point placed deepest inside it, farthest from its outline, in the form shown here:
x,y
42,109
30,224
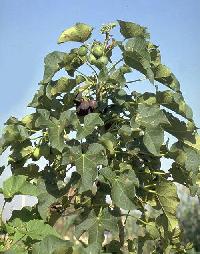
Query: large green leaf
x,y
152,230
90,122
53,63
153,139
80,32
123,187
186,156
18,185
164,75
175,102
52,245
137,56
45,200
96,225
109,141
150,116
35,229
130,29
86,163
168,199
62,85
13,133
178,128
55,127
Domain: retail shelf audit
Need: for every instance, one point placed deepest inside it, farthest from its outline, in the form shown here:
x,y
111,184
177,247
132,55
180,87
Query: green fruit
x,y
92,59
82,51
97,51
36,153
101,62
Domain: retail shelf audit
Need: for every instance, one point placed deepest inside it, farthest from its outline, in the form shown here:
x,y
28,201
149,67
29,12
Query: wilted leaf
x,y
130,29
80,32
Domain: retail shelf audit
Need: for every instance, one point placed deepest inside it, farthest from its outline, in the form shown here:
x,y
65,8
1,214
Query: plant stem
x,y
113,66
131,215
136,80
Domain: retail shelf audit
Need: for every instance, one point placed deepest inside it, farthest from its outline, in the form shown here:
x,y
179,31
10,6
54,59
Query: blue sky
x,y
29,30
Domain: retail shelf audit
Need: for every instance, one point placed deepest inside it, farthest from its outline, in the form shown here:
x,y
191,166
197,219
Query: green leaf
x,y
45,200
37,97
150,116
125,130
13,133
117,77
3,145
86,163
35,229
62,85
80,32
18,185
137,56
96,225
53,63
55,127
164,75
130,29
93,248
175,102
109,141
178,128
123,187
152,230
90,122
168,200
153,139
186,156
51,245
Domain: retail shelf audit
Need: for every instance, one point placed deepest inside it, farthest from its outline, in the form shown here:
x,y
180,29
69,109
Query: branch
x,y
113,66
136,80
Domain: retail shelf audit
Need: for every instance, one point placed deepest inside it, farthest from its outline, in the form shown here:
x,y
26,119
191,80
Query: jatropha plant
x,y
91,151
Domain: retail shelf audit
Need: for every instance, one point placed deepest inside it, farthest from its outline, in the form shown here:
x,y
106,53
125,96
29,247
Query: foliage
x,y
117,146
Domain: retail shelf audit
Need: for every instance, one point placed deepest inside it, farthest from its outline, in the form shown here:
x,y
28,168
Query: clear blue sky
x,y
29,30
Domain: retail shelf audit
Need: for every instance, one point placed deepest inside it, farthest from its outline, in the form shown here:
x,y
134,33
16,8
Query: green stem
x,y
96,74
131,215
115,64
136,80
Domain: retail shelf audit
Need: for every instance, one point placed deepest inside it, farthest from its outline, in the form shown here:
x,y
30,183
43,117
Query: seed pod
x,y
83,109
92,104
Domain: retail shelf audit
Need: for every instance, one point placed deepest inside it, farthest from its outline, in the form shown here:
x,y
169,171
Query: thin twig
x,y
136,80
120,60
